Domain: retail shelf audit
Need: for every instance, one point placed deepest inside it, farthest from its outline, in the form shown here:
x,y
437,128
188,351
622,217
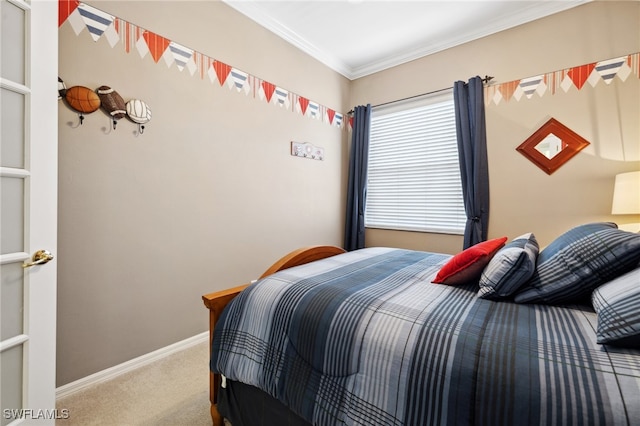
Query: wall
x,y
206,198
209,194
524,198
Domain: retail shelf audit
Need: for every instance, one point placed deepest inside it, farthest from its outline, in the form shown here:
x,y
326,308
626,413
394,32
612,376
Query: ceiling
x,y
359,37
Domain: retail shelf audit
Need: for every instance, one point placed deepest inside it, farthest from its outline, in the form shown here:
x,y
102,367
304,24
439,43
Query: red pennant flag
x,y
269,90
507,89
157,44
351,122
579,75
66,8
332,114
222,71
304,103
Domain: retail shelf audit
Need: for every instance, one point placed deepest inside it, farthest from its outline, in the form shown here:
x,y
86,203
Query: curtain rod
x,y
486,79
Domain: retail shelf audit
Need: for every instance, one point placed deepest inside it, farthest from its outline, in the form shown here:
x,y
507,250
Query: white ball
x,y
138,111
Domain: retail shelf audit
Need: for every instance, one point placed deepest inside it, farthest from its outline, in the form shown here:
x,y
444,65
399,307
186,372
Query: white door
x,y
28,209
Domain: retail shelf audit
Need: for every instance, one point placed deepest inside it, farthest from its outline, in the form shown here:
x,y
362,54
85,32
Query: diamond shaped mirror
x,y
552,145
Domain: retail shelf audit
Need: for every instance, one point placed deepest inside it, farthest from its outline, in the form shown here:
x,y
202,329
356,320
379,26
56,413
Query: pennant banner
x,y
100,24
569,79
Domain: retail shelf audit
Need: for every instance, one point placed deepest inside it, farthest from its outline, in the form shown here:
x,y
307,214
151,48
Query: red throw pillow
x,y
469,264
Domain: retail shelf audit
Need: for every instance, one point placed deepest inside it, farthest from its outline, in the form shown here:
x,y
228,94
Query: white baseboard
x,y
125,367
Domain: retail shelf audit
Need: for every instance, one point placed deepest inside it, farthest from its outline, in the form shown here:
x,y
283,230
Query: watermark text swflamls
x,y
35,414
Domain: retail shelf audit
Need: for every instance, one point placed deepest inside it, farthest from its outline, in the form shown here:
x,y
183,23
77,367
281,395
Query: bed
x,y
501,333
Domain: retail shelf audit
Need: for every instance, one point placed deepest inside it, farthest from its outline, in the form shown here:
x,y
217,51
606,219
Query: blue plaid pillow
x,y
618,306
510,268
580,260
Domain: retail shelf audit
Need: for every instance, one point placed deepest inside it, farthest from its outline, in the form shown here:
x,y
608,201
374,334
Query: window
x,y
413,171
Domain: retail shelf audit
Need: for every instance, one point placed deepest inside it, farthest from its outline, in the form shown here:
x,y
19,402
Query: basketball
x,y
82,99
138,111
111,102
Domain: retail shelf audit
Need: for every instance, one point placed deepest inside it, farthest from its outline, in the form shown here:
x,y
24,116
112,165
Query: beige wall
x,y
205,199
209,194
523,198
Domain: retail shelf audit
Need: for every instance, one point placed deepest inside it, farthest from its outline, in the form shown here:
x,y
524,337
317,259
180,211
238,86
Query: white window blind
x,y
413,171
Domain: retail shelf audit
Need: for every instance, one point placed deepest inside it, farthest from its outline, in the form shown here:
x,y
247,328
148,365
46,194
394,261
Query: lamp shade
x,y
626,194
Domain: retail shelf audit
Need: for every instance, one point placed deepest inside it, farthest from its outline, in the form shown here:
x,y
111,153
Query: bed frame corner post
x,y
214,378
216,302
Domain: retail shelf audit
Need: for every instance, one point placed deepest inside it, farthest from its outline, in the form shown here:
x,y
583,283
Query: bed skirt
x,y
245,405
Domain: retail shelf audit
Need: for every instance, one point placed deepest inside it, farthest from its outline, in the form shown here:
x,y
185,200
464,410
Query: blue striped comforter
x,y
365,338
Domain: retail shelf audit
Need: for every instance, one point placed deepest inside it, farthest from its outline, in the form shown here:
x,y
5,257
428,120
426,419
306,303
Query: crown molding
x,y
539,10
255,13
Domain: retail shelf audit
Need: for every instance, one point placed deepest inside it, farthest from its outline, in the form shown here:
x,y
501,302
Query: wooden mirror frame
x,y
572,144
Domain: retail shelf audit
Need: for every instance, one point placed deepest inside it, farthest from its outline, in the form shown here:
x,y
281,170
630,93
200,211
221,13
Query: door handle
x,y
39,258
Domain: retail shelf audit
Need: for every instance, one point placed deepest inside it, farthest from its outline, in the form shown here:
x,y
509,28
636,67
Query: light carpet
x,y
172,391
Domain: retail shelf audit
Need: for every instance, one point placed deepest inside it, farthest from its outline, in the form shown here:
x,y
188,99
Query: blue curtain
x,y
472,151
357,185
